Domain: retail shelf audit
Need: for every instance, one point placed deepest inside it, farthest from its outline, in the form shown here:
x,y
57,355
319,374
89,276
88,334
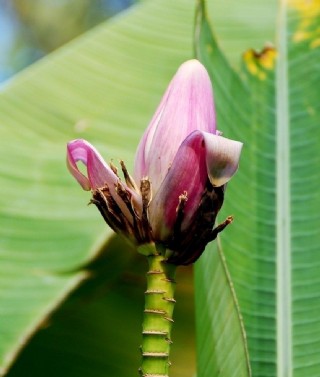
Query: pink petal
x,y
186,106
222,157
98,172
200,156
188,173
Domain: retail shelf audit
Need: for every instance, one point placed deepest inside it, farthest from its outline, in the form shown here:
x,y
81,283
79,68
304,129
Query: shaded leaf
x,y
221,339
97,331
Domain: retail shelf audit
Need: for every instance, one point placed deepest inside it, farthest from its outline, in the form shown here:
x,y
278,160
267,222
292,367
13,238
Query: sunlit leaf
x,y
271,248
103,87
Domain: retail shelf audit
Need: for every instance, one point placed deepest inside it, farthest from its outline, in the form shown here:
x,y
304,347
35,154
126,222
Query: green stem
x,y
157,322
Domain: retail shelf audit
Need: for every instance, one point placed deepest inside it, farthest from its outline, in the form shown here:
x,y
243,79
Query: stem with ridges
x,y
157,322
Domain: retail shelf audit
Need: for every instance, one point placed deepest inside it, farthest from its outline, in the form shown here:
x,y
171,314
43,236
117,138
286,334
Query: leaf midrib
x,y
283,252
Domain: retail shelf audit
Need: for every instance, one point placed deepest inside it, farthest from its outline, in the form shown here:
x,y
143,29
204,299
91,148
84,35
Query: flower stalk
x,y
158,321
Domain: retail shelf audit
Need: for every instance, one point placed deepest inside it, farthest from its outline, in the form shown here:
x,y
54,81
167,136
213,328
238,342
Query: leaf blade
x,y
78,91
222,350
251,247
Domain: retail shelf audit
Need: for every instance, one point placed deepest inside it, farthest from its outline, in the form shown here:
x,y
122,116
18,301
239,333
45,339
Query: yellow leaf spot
x,y
250,62
300,36
306,7
268,57
252,68
308,14
258,63
315,43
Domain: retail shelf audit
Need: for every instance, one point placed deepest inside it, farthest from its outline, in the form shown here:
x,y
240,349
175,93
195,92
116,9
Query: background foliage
x,y
104,86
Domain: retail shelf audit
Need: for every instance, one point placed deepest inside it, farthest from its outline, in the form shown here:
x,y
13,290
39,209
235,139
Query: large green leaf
x,y
103,87
299,255
272,248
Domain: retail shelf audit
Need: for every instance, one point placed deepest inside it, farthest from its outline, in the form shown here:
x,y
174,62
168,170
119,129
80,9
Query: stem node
x,y
157,322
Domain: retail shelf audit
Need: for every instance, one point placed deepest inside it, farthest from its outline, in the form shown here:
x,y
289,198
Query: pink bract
x,y
182,162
